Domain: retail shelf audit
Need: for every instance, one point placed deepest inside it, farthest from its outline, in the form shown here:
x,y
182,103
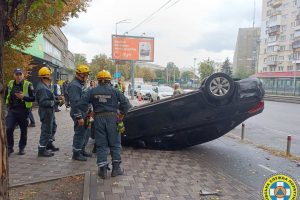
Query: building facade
x,y
246,51
279,58
51,49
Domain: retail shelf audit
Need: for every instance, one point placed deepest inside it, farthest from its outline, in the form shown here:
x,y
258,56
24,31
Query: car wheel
x,y
219,86
158,98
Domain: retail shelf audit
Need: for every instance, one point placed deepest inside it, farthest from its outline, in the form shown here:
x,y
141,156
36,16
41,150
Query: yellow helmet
x,y
104,75
82,69
44,72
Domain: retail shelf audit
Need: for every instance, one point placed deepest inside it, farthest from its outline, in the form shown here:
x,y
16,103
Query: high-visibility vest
x,y
120,87
25,92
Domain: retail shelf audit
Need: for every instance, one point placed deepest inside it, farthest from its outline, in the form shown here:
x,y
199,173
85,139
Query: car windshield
x,y
165,89
146,87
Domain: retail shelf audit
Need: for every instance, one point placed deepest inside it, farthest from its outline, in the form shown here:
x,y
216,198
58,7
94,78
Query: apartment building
x,y
246,51
279,57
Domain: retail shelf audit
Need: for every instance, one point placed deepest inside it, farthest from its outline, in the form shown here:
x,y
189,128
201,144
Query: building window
x,y
297,55
283,38
282,48
272,39
298,68
52,50
265,69
284,17
290,47
290,68
291,57
280,68
273,69
293,24
283,27
285,5
291,36
265,60
280,58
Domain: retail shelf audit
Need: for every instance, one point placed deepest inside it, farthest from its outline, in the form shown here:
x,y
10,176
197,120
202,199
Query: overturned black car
x,y
197,117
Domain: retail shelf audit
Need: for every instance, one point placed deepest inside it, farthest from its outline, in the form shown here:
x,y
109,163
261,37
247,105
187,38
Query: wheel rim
x,y
219,86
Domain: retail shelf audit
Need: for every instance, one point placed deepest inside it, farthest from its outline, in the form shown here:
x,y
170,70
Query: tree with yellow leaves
x,y
20,22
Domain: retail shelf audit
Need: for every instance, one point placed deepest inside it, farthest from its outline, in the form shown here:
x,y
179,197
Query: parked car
x,y
147,92
163,92
213,110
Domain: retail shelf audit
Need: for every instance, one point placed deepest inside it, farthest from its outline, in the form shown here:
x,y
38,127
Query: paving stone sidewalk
x,y
149,174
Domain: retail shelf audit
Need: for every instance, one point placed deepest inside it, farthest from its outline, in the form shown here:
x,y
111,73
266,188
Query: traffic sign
x,y
117,75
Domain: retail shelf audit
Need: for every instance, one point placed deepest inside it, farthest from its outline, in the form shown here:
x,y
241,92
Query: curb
x,y
86,186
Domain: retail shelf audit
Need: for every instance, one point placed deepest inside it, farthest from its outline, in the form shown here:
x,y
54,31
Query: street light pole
x,y
119,22
194,72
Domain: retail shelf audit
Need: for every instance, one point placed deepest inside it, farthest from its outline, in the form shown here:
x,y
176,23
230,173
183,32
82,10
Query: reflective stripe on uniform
x,y
102,164
25,92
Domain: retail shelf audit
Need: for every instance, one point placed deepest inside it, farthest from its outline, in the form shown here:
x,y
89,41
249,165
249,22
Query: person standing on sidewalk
x,y
46,101
107,102
65,93
177,90
57,93
18,97
79,112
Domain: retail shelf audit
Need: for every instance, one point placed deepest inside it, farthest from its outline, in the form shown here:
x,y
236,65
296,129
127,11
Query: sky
x,y
183,29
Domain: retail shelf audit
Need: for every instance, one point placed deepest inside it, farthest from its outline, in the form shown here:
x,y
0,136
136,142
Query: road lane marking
x,y
267,168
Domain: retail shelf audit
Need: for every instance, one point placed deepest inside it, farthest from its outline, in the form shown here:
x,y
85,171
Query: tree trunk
x,y
3,143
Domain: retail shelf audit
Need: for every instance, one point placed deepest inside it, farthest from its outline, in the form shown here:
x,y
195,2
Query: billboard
x,y
132,48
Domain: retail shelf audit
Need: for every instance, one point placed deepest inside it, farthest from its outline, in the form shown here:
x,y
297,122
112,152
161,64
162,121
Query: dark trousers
x,y
48,126
80,136
67,101
106,135
31,118
16,117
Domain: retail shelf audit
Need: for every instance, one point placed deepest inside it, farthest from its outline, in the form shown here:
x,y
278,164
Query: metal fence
x,y
282,86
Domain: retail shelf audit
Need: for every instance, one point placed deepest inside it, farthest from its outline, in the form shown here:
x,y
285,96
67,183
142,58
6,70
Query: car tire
x,y
158,98
219,86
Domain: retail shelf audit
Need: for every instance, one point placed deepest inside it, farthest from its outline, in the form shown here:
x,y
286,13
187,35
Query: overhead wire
x,y
149,17
172,4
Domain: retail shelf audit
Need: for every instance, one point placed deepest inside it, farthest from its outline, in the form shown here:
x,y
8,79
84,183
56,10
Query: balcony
x,y
276,12
275,3
274,30
297,24
296,61
271,63
296,44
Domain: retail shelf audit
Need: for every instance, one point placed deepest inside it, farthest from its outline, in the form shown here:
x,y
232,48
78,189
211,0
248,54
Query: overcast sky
x,y
183,30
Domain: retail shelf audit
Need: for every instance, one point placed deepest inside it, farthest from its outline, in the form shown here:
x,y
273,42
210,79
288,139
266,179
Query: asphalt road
x,y
244,162
272,127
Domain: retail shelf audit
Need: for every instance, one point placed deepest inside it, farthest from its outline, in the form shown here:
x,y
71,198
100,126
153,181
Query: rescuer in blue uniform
x,y
18,97
79,112
107,101
46,101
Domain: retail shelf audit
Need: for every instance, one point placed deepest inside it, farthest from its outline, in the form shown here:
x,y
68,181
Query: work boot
x,y
10,151
21,151
116,170
44,153
102,172
85,154
94,149
50,146
78,156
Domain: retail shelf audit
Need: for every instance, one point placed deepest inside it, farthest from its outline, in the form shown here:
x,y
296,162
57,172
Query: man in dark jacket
x,y
79,112
18,97
108,105
46,101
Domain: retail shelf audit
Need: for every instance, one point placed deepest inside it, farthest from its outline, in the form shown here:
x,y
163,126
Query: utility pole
x,y
194,79
174,74
132,79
